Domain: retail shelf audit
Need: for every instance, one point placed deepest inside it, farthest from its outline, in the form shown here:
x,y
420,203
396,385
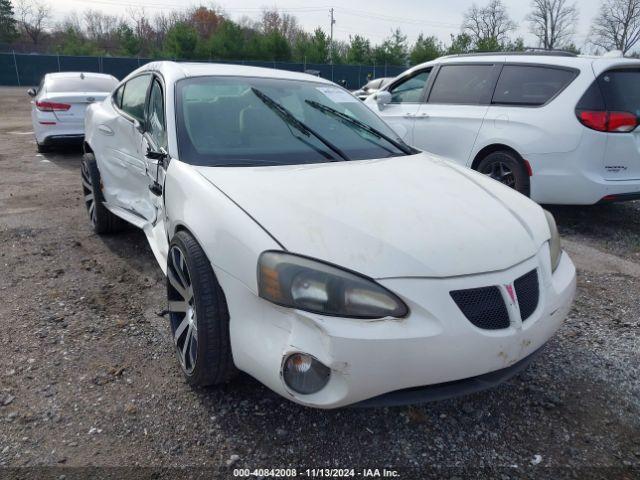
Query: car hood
x,y
413,216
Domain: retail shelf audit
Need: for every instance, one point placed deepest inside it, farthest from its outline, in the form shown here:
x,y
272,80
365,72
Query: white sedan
x,y
59,105
308,246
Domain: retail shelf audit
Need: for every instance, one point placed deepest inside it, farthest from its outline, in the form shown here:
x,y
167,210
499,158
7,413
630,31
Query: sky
x,y
374,19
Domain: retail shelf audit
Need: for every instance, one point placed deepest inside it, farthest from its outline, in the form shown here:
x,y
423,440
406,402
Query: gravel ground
x,y
88,375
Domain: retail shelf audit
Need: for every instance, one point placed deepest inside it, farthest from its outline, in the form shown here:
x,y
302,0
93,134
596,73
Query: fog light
x,y
304,374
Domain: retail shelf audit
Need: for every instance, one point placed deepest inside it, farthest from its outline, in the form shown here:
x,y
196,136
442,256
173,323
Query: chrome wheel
x,y
501,172
87,189
182,310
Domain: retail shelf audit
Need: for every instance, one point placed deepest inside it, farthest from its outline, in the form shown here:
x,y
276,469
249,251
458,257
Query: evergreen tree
x,y
425,49
359,51
8,29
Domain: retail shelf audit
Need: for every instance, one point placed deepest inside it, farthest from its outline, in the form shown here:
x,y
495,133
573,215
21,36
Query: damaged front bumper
x,y
381,359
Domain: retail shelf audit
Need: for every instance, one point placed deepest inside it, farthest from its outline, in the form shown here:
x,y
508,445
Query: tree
x,y
228,42
425,49
128,43
489,25
617,26
393,51
553,22
359,50
8,30
181,41
276,47
460,44
205,20
312,48
33,17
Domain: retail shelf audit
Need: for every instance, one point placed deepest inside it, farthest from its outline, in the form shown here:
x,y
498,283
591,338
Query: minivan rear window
x,y
530,85
621,90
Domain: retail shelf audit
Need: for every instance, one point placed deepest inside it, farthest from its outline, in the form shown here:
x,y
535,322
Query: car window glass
x,y
621,90
134,96
224,121
530,85
410,90
462,84
117,96
84,84
156,125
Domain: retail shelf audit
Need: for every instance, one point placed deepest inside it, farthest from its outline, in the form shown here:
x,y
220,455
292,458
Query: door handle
x,y
105,130
423,115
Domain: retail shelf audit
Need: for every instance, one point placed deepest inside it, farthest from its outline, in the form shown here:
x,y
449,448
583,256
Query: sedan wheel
x,y
102,220
87,190
198,314
501,172
184,320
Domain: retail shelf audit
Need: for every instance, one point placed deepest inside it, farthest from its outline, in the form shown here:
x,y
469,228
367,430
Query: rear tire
x,y
102,220
198,314
507,168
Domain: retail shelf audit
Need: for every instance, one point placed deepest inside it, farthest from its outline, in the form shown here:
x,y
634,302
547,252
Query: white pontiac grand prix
x,y
305,244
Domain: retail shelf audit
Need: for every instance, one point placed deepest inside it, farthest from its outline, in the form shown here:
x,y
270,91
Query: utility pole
x,y
333,21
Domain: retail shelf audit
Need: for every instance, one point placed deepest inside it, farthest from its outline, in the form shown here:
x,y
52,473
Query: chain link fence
x,y
20,69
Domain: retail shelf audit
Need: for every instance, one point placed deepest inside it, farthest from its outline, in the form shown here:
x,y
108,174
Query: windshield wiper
x,y
288,117
403,147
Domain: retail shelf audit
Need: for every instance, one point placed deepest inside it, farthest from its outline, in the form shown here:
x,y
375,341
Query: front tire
x,y
198,314
507,168
102,220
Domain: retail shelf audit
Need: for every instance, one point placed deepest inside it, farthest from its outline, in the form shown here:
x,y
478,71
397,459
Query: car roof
x,y
597,64
173,71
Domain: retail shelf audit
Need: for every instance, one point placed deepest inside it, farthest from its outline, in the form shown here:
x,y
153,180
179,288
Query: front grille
x,y
484,307
528,293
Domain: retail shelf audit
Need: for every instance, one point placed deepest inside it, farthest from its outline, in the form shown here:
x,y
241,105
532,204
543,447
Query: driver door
x,y
406,99
154,140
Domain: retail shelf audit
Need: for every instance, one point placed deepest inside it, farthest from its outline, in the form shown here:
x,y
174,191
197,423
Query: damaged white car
x,y
308,246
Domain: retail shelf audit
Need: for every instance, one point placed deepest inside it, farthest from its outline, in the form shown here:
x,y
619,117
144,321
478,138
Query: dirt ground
x,y
88,375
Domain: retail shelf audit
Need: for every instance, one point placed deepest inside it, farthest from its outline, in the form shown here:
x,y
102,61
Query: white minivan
x,y
557,127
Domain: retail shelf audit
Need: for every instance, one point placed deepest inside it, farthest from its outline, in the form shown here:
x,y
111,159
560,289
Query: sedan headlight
x,y
554,243
300,282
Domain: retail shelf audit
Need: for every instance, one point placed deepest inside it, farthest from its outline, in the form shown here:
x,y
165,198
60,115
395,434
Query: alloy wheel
x,y
182,310
501,172
89,196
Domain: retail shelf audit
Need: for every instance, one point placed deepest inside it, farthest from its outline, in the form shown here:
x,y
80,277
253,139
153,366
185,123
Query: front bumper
x,y
435,344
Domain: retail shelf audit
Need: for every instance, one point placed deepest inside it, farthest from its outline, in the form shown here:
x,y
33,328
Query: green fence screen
x,y
18,69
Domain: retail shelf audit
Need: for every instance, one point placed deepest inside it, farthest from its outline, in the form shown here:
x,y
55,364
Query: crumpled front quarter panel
x,y
231,239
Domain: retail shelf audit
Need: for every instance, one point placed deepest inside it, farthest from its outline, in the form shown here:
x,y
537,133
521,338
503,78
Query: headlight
x,y
299,282
554,243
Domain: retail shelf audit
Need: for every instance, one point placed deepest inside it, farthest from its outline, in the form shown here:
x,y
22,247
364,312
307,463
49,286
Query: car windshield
x,y
243,121
87,84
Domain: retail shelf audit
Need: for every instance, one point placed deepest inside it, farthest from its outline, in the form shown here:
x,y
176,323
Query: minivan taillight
x,y
616,122
52,107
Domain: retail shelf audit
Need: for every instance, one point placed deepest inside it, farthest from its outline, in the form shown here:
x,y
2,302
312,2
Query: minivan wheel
x,y
506,168
198,314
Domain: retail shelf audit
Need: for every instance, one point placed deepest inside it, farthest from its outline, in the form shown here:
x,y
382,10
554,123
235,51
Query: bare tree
x,y
33,18
617,26
491,22
283,23
553,22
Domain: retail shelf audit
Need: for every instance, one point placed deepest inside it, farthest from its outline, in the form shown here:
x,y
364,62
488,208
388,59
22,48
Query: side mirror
x,y
32,92
383,98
